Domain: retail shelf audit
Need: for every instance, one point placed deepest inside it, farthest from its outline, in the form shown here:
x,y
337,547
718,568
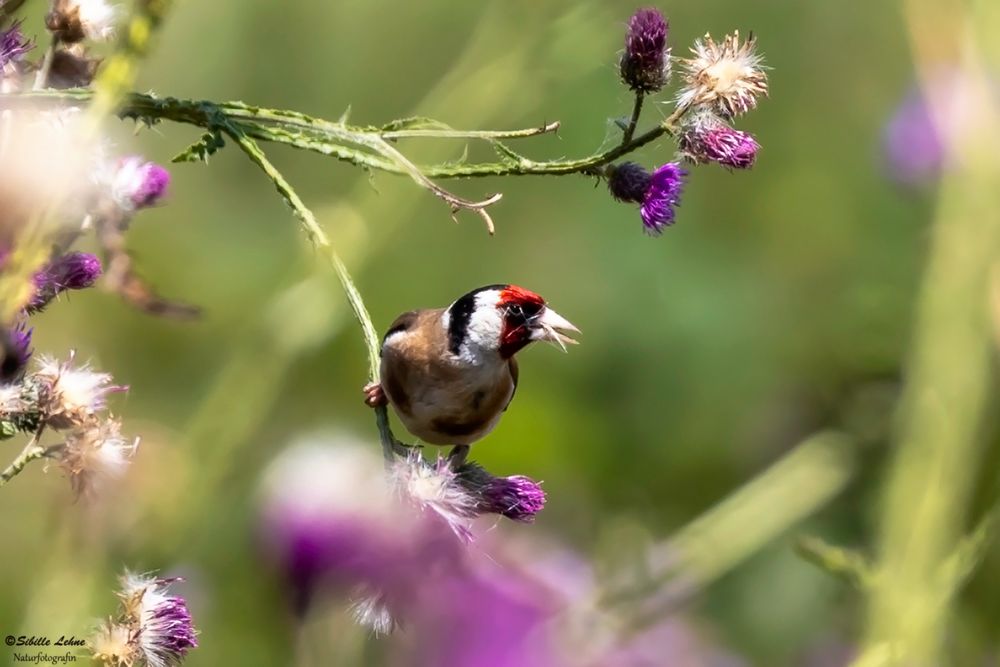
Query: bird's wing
x,y
512,365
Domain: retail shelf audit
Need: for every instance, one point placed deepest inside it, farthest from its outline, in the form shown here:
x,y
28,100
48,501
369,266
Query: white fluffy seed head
x,y
95,455
433,488
73,395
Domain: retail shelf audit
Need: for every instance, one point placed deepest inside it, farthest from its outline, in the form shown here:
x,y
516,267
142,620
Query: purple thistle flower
x,y
72,271
329,522
662,198
709,139
162,623
138,184
517,497
628,182
645,64
480,617
16,352
949,110
913,148
13,46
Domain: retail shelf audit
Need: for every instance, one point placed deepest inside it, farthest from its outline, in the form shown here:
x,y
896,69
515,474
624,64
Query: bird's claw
x,y
374,395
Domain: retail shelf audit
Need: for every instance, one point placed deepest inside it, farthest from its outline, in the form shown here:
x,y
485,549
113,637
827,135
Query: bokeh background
x,y
778,305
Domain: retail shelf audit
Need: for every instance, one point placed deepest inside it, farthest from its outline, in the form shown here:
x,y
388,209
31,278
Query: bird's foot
x,y
374,395
457,456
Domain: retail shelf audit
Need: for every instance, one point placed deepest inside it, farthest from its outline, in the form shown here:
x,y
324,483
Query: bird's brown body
x,y
440,399
450,373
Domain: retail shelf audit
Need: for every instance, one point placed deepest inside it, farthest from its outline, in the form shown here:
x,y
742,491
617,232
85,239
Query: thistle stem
x,y
42,75
390,446
30,452
636,111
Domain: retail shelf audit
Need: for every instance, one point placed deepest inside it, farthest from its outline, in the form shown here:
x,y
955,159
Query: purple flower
x,y
477,617
161,622
709,139
628,182
138,184
658,193
662,197
329,522
72,271
517,497
913,148
645,64
918,137
13,46
16,352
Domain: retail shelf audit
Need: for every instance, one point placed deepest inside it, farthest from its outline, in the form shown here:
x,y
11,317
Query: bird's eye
x,y
516,311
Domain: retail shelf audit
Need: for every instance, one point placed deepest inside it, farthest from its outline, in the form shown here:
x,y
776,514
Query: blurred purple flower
x,y
16,352
645,64
707,138
479,618
72,271
330,521
138,184
662,197
672,641
13,46
915,139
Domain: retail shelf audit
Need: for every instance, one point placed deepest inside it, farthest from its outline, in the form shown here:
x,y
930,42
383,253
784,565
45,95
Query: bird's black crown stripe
x,y
402,323
461,313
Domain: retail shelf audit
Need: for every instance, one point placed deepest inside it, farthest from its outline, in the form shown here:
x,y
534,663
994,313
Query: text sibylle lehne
x,y
36,640
42,657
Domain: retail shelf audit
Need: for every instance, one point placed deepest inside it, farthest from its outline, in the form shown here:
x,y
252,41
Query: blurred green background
x,y
779,304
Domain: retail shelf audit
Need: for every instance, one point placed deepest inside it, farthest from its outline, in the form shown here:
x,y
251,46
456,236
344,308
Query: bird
x,y
450,373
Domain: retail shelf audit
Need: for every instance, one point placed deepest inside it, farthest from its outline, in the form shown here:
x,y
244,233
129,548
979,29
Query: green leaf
x,y
201,149
414,123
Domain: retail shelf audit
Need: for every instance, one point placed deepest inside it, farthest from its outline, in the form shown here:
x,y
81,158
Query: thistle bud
x,y
72,271
628,182
658,193
16,343
707,138
517,497
645,64
137,183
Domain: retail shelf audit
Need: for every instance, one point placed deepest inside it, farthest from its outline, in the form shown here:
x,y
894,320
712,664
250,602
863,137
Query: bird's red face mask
x,y
526,318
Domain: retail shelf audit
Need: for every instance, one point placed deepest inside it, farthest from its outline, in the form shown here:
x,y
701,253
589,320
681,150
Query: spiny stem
x,y
361,146
42,76
636,111
30,452
447,133
390,445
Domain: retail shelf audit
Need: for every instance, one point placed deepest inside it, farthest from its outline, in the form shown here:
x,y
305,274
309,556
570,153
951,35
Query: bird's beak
x,y
550,326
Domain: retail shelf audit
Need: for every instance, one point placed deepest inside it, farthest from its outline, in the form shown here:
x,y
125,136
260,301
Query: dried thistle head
x,y
434,488
94,455
72,21
71,396
114,645
726,76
